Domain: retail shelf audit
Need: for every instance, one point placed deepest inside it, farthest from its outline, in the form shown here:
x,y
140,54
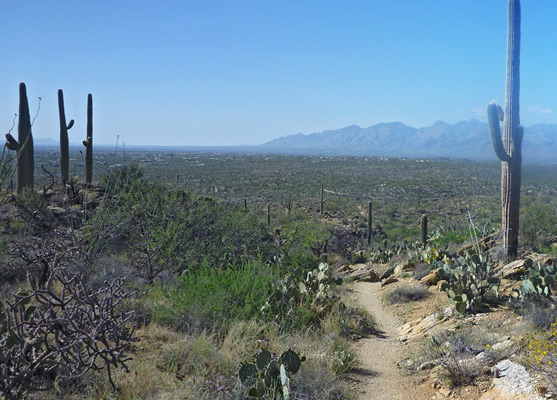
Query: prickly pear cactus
x,y
540,280
469,282
267,373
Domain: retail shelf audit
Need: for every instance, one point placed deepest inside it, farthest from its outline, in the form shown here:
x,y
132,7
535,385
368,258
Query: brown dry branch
x,y
61,332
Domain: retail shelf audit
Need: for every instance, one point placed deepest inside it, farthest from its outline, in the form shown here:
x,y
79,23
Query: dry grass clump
x,y
405,294
171,365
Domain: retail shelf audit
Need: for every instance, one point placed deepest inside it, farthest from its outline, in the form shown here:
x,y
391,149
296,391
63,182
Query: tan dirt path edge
x,y
378,375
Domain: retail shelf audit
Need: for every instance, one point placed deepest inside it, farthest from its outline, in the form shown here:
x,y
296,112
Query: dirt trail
x,y
379,376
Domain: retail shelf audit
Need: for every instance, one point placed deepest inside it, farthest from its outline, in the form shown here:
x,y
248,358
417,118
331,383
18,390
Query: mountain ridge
x,y
463,139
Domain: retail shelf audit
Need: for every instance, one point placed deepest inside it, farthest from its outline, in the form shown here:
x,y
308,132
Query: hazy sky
x,y
243,72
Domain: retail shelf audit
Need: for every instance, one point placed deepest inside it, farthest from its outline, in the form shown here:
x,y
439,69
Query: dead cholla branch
x,y
62,331
40,257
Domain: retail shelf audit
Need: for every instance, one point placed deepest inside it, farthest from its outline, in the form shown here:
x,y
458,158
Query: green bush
x,y
538,224
305,241
209,298
174,230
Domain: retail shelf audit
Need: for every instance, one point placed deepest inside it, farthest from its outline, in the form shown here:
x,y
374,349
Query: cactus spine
x,y
88,143
24,144
369,226
508,147
423,229
64,140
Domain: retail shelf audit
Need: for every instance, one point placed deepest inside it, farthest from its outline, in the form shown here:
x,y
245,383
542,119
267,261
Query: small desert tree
x,y
508,147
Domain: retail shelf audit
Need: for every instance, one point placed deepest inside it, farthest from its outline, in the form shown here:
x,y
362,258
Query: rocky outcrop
x,y
511,382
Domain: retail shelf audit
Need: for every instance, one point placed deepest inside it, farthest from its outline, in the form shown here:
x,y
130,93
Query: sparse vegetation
x,y
215,284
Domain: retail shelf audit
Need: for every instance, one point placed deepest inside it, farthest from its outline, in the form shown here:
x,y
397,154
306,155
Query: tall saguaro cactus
x,y
64,140
508,146
423,230
322,201
369,223
88,143
24,144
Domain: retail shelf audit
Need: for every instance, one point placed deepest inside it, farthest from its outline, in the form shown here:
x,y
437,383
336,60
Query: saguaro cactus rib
x,y
508,146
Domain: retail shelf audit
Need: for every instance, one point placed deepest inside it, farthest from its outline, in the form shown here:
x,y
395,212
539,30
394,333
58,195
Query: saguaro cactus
x,y
322,201
64,140
24,144
508,147
88,143
423,229
369,221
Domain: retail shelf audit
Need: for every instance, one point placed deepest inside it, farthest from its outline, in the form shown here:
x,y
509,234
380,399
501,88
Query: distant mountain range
x,y
466,139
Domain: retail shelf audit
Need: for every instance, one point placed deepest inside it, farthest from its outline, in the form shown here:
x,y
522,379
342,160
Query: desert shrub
x,y
208,298
541,351
421,270
346,242
405,294
342,358
538,224
302,296
317,382
538,312
450,237
161,229
455,357
305,241
60,331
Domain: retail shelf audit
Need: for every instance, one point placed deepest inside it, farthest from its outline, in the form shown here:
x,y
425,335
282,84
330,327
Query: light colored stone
x,y
364,273
512,382
421,326
445,392
388,281
404,268
427,365
431,278
344,268
56,210
502,345
511,270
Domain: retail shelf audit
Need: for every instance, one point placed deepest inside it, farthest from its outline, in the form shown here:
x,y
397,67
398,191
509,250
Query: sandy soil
x,y
379,376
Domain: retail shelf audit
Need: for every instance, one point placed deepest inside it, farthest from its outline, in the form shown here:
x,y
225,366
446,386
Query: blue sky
x,y
243,72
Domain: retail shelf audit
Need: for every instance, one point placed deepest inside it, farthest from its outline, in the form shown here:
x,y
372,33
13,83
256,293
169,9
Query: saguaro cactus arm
x,y
11,143
494,115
